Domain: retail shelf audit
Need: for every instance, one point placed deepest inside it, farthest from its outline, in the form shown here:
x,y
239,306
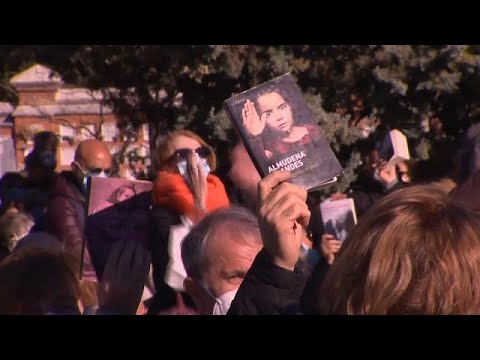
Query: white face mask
x,y
182,168
222,303
87,175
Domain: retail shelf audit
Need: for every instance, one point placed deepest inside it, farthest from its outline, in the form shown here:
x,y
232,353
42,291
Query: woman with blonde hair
x,y
183,193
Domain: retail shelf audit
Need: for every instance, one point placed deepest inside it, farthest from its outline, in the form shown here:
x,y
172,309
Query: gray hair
x,y
13,227
235,219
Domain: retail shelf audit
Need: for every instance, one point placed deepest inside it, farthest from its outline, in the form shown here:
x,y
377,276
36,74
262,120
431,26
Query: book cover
x,y
117,209
393,147
339,217
281,133
8,162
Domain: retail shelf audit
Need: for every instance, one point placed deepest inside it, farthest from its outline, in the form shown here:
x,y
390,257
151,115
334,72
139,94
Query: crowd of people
x,y
414,250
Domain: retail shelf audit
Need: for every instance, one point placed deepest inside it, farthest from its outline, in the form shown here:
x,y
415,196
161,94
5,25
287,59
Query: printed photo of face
x,y
126,194
276,111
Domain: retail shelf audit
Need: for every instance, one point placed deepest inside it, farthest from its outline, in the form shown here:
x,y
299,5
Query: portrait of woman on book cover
x,y
118,210
281,133
272,120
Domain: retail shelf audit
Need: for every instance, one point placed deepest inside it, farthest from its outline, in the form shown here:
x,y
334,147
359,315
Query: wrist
x,y
388,184
200,204
282,263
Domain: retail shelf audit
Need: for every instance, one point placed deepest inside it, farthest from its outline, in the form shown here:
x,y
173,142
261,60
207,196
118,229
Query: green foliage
x,y
400,84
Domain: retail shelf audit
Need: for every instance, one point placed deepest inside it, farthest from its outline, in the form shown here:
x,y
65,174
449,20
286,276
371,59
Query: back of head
x,y
235,224
413,252
91,149
9,181
34,281
40,160
45,141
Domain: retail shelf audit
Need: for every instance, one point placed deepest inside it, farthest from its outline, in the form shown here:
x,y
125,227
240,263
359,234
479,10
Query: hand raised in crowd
x,y
386,172
251,121
329,246
283,217
124,278
198,180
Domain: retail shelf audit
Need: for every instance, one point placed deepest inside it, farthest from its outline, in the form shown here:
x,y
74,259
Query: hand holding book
x,y
329,247
283,216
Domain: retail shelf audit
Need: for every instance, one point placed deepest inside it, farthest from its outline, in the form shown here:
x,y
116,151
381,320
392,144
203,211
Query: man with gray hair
x,y
217,254
13,227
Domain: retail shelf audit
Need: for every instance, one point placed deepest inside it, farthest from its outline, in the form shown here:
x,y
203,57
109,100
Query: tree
x,y
184,86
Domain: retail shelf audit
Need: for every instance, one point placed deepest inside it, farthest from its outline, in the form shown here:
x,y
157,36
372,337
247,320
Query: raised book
x,y
280,133
116,210
339,217
393,148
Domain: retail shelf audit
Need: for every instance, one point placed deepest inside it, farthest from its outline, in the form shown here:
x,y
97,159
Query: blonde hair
x,y
165,149
414,252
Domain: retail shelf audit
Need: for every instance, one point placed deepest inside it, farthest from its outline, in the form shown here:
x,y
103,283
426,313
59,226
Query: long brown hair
x,y
165,149
34,281
414,252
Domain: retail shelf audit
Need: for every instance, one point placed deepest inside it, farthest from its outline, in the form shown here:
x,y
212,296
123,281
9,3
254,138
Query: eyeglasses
x,y
182,154
94,171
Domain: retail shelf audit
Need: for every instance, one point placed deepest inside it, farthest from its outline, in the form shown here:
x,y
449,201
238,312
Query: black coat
x,y
268,290
161,219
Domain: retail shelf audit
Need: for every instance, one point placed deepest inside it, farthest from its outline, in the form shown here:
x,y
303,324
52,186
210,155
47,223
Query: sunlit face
x,y
277,113
184,142
231,261
180,142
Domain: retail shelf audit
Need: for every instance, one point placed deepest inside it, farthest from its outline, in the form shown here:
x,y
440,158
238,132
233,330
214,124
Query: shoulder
x,y
313,128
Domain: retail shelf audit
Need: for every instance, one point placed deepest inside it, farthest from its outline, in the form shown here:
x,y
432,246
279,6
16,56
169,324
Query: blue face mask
x,y
48,159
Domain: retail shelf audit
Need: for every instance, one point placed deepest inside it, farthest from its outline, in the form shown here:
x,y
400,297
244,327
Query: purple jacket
x,y
66,217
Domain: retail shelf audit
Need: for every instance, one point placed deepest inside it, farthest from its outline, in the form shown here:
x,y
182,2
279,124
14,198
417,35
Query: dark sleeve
x,y
63,222
160,221
268,290
310,298
362,200
399,185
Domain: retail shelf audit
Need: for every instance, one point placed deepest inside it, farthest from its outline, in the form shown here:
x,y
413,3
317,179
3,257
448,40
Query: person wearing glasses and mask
x,y
66,207
184,192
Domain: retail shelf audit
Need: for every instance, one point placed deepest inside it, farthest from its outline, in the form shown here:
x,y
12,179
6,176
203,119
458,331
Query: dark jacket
x,y
165,297
66,216
366,191
268,290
